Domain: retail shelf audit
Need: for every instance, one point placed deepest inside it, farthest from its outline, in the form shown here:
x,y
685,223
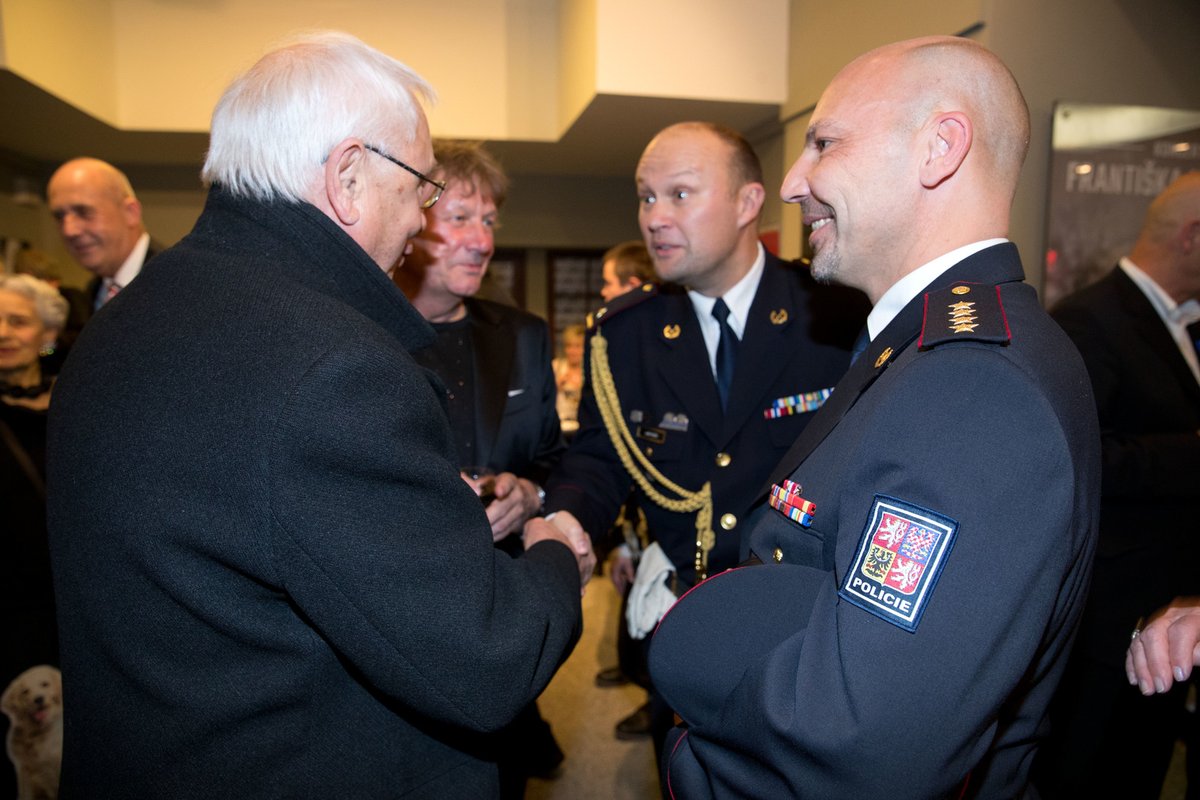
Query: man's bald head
x,y
98,215
946,73
1168,246
913,150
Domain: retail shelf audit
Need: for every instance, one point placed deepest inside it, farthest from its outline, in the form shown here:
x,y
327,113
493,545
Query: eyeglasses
x,y
439,186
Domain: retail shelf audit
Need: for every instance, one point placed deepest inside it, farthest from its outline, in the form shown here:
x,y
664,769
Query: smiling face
x,y
691,212
854,179
22,333
98,221
33,700
457,244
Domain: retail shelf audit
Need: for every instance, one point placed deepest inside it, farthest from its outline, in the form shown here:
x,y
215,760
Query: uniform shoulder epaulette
x,y
621,303
964,311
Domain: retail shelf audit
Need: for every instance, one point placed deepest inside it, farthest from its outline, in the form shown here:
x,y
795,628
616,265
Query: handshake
x,y
562,526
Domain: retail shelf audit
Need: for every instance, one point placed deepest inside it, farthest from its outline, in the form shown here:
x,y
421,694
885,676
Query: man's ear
x,y
131,208
345,180
750,202
1189,237
949,141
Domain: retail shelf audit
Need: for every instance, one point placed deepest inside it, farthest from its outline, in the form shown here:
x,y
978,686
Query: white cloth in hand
x,y
649,598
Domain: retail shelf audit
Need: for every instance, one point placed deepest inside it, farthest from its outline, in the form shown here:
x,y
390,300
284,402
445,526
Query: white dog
x,y
33,703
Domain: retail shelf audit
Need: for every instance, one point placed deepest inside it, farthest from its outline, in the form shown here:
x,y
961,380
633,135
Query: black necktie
x,y
860,344
726,351
1193,332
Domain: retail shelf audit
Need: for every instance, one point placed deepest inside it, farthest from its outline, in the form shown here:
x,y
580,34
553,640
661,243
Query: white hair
x,y
277,122
50,306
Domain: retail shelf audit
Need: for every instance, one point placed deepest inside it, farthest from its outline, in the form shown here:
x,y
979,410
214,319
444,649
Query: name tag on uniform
x,y
652,435
899,558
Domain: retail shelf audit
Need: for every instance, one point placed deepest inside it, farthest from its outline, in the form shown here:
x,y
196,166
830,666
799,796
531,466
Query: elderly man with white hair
x,y
272,580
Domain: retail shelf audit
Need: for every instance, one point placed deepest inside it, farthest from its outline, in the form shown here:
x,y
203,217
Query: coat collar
x,y
313,251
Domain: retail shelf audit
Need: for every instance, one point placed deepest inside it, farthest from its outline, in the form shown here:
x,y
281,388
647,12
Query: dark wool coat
x,y
272,580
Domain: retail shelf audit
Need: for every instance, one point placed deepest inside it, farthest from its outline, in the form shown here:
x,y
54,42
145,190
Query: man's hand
x,y
563,527
1166,648
516,501
623,570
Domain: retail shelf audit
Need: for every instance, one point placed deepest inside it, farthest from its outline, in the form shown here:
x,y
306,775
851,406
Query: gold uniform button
x,y
777,555
724,459
728,521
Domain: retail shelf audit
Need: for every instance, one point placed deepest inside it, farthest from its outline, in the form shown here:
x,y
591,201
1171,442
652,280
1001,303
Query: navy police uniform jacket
x,y
795,346
923,572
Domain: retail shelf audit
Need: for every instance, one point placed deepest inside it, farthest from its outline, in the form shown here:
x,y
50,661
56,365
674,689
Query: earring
x,y
47,349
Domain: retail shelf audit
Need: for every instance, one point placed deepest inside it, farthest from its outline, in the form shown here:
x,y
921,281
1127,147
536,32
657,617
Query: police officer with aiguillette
x,y
694,390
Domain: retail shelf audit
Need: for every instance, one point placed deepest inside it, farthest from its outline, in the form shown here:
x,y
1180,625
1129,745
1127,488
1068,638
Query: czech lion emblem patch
x,y
899,558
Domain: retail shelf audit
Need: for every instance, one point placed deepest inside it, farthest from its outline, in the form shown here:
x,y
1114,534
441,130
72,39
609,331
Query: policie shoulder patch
x,y
899,558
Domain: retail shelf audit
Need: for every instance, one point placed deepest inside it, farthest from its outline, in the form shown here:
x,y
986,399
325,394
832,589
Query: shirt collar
x,y
905,289
1171,312
133,262
739,298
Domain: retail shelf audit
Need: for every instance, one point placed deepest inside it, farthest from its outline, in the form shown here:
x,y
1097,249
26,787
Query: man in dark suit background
x,y
100,221
1132,329
494,359
710,403
272,580
495,362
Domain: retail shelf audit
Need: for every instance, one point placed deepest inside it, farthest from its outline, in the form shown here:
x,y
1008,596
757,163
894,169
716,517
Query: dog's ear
x,y
6,699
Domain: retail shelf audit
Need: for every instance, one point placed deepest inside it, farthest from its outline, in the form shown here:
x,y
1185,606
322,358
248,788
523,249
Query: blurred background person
x,y
35,262
626,266
495,362
100,221
1136,329
568,377
31,314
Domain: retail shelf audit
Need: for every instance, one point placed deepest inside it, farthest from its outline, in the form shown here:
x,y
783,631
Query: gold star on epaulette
x,y
961,317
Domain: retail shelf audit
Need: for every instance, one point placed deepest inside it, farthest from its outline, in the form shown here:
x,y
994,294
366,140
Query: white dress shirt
x,y
739,299
1176,316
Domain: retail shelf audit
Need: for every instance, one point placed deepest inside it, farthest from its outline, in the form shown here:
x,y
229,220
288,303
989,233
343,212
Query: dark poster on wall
x,y
1107,164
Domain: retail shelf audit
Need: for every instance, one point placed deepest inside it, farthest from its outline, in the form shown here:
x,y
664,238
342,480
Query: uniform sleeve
x,y
848,703
1141,467
590,481
386,551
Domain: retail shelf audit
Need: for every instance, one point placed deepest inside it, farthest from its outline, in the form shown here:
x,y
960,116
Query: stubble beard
x,y
826,266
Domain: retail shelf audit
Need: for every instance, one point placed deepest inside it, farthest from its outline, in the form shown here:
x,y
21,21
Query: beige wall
x,y
1111,51
710,49
37,34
